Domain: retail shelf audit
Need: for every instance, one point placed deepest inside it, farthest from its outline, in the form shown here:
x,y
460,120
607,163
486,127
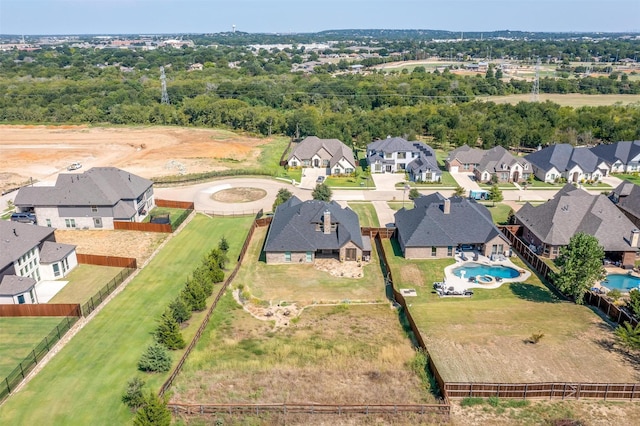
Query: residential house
x,y
392,155
621,156
330,154
626,197
437,226
549,227
464,159
301,231
29,256
565,161
503,165
93,199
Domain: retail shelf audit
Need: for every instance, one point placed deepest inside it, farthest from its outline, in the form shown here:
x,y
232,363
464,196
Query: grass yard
x,y
631,177
397,205
18,337
174,214
499,212
302,283
366,213
483,338
270,154
501,185
84,382
84,282
349,182
350,354
447,181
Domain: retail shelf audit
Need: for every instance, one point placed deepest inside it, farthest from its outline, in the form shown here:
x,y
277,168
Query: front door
x,y
575,177
388,168
516,176
350,254
316,163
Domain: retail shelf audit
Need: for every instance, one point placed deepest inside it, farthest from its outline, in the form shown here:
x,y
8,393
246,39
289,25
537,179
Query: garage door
x,y
454,169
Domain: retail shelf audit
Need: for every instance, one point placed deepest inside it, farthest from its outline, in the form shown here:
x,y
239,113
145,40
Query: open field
x,y
483,338
40,152
18,337
113,243
84,282
303,283
346,353
572,100
366,214
83,383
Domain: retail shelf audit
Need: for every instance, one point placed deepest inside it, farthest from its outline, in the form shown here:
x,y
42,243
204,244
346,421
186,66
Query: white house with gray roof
x,y
393,155
437,226
301,231
329,154
621,157
30,255
487,165
565,161
90,200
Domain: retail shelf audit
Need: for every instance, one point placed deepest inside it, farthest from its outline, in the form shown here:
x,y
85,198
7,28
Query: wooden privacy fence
x,y
41,310
187,205
19,373
257,409
614,312
373,232
617,391
115,261
167,384
527,254
143,226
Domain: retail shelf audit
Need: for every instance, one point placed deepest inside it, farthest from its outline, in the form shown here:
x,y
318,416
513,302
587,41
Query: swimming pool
x,y
622,282
476,269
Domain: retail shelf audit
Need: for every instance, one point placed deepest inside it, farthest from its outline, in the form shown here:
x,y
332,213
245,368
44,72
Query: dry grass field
x,y
40,152
573,100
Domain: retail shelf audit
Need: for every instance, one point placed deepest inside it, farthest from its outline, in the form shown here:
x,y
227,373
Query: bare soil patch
x,y
40,152
340,269
113,243
239,195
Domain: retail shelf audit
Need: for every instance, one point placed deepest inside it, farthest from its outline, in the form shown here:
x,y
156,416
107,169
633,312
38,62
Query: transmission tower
x,y
535,91
164,99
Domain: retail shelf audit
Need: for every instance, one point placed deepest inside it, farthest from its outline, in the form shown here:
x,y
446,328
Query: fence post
x,y
58,330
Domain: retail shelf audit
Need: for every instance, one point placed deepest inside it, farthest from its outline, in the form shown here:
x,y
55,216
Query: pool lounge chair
x,y
462,256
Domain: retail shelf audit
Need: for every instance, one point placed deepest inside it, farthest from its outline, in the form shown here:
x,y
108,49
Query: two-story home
x,y
30,255
565,161
329,154
392,155
621,156
93,199
301,231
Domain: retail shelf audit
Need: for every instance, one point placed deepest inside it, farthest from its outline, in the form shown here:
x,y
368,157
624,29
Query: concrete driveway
x,y
466,180
310,176
387,181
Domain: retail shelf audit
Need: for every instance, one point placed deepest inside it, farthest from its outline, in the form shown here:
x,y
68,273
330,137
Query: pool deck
x,y
461,284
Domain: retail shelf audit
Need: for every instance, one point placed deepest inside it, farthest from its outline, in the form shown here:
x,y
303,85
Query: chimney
x,y
446,208
635,236
327,222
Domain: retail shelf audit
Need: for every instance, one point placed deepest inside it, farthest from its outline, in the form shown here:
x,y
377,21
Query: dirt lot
x,y
40,152
113,243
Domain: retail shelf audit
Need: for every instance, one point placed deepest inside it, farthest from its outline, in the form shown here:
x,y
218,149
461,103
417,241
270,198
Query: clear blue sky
x,y
271,16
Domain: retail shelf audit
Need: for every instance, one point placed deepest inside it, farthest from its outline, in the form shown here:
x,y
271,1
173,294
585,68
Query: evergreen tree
x,y
204,277
154,412
168,331
580,266
133,396
223,245
155,358
194,295
322,192
180,310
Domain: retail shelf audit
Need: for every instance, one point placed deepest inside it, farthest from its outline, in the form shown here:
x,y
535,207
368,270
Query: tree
x,y
322,192
580,266
495,194
168,331
180,310
223,245
283,195
634,302
414,193
155,358
459,191
628,335
194,295
154,412
133,396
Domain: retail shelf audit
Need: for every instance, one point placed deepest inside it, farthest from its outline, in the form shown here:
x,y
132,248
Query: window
x,y
449,251
309,256
94,209
402,155
336,172
434,251
21,299
70,223
33,299
65,263
402,166
325,163
294,164
48,223
388,155
56,270
348,170
287,256
306,163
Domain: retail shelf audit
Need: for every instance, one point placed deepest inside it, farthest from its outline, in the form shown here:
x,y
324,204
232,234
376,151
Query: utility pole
x,y
535,91
164,99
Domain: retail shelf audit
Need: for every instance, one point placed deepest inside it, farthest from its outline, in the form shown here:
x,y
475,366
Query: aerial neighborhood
x,y
343,227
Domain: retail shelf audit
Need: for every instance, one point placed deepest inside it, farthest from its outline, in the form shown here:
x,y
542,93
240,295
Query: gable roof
x,y
628,198
426,225
396,144
466,155
622,151
564,157
310,145
98,186
18,238
12,285
574,210
498,159
293,227
53,252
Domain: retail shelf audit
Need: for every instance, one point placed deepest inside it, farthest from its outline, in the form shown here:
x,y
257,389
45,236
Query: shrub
x,y
471,401
535,338
155,358
223,245
133,397
493,401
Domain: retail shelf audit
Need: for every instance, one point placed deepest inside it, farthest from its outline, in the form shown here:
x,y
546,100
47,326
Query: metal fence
x,y
105,291
616,391
19,373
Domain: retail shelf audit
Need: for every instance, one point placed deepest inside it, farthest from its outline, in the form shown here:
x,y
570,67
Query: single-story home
x,y
565,161
623,156
330,154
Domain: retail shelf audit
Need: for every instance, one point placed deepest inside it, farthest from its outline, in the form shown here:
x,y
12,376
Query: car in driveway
x,y
320,179
74,166
23,217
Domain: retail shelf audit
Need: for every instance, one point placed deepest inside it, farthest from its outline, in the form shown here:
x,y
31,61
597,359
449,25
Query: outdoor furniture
x,y
472,279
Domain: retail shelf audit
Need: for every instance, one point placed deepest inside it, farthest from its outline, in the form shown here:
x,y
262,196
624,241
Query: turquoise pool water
x,y
475,269
622,282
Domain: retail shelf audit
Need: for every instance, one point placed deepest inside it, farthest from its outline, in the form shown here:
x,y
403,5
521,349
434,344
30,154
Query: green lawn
x,y
174,214
84,282
499,212
349,182
447,181
18,337
366,213
293,173
84,382
397,205
270,154
631,177
538,184
303,283
501,185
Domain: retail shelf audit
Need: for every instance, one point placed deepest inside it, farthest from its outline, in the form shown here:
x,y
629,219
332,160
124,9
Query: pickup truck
x,y
74,166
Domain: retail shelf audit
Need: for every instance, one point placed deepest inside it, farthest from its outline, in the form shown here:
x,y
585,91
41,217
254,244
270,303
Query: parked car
x,y
23,217
74,166
320,179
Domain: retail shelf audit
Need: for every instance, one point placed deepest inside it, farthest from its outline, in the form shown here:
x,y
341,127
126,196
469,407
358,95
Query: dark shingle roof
x,y
15,244
310,145
293,227
426,224
396,144
629,197
574,210
498,159
14,284
623,151
98,186
466,155
563,157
